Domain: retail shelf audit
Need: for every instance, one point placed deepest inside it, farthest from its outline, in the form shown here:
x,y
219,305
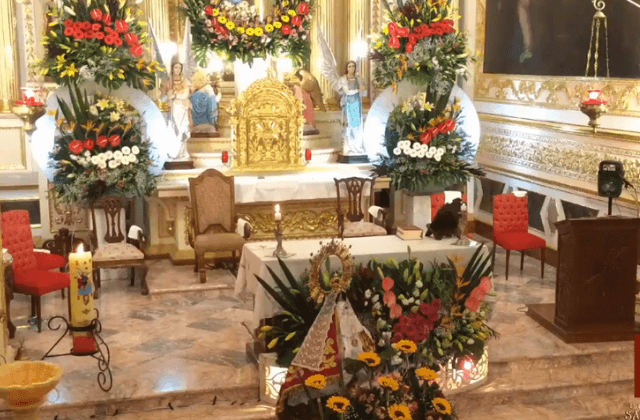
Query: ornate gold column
x,y
9,64
157,12
359,28
176,21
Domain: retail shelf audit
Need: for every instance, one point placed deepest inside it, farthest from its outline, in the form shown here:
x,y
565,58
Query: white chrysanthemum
x,y
117,155
114,116
93,110
416,145
80,160
377,306
437,157
102,157
113,164
441,150
421,153
102,165
126,150
95,160
425,148
397,151
135,150
433,150
87,154
416,293
376,298
73,157
367,293
413,153
108,154
419,284
429,154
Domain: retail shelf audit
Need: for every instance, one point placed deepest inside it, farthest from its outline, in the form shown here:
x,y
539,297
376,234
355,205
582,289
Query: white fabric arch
x,y
162,140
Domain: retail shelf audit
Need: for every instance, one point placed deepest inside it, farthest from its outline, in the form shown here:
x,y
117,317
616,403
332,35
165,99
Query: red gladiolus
x,y
68,32
76,147
404,32
208,10
409,48
303,8
394,42
96,14
433,131
103,141
425,138
78,34
118,41
297,20
122,26
68,22
131,39
286,29
89,144
96,27
89,34
225,157
107,19
100,35
393,29
451,125
115,140
137,50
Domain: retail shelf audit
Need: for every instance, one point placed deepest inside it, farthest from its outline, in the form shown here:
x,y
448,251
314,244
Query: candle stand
x,y
98,349
279,251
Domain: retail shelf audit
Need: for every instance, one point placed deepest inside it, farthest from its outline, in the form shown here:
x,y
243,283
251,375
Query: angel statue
x,y
204,105
306,88
352,89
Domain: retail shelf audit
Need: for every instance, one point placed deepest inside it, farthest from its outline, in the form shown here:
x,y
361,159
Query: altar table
x,y
256,257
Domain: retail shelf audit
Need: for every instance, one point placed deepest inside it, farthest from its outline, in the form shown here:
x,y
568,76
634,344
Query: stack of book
x,y
408,232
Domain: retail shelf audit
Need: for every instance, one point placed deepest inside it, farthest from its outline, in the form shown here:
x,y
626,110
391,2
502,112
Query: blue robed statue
x,y
204,104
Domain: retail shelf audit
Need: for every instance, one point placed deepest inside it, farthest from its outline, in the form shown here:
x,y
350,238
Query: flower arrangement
x,y
236,32
100,151
100,40
428,147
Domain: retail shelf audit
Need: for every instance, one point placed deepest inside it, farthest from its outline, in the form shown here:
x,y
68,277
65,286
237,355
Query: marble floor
x,y
185,343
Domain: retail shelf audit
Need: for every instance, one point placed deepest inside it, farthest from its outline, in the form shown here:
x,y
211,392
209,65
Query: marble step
x,y
206,412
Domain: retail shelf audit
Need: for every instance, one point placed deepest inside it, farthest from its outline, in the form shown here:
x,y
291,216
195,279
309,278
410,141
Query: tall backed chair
x,y
213,216
511,228
117,253
352,221
31,270
438,201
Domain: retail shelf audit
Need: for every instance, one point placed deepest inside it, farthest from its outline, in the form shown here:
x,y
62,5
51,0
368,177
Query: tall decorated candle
x,y
81,292
277,215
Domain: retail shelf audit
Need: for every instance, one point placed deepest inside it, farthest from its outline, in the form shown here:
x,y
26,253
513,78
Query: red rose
x,y
96,27
122,26
115,140
106,19
103,141
393,29
118,41
89,34
131,38
297,20
425,138
110,30
68,22
394,42
100,35
68,31
433,131
88,144
86,26
137,50
404,32
303,8
413,39
96,14
77,25
409,48
208,10
110,40
286,29
78,34
76,147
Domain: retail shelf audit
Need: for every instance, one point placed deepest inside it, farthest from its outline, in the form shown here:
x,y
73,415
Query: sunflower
x,y
292,12
268,27
427,374
222,20
370,358
230,25
399,412
316,381
338,404
216,12
277,25
259,31
388,382
240,30
406,346
285,18
442,406
250,31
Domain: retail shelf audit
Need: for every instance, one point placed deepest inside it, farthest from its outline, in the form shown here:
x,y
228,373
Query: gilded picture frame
x,y
552,92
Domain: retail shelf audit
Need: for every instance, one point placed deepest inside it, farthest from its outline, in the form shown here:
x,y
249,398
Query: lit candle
x,y
278,215
81,291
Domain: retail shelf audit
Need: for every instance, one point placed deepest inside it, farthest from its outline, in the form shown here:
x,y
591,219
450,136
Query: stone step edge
x,y
527,359
249,411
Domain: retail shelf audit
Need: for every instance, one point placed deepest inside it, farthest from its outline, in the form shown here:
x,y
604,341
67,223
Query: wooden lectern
x,y
595,281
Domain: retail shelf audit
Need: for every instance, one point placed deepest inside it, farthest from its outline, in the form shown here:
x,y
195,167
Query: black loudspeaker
x,y
610,178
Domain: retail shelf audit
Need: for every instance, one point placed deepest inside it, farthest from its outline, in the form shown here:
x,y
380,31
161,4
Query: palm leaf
x,y
276,296
290,278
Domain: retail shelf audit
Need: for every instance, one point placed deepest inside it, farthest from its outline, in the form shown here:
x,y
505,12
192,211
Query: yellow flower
x,y
273,343
370,358
285,18
141,64
216,12
442,405
399,412
406,346
268,27
277,25
104,103
70,71
292,12
240,30
379,44
259,32
222,20
146,82
388,382
457,107
230,25
385,30
338,404
316,381
428,106
61,59
427,374
266,328
285,3
251,31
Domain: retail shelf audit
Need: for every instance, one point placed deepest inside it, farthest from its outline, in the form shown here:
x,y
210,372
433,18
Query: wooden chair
x,y
356,225
213,218
116,253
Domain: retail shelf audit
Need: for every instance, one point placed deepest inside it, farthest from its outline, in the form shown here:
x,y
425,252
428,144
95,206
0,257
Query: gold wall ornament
x,y
623,95
9,64
29,35
338,284
267,126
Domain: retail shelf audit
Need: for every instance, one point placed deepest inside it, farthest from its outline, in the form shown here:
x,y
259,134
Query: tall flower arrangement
x,y
100,150
424,140
236,32
100,40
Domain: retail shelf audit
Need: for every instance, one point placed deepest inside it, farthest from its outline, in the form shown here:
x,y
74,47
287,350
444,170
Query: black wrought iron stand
x,y
101,354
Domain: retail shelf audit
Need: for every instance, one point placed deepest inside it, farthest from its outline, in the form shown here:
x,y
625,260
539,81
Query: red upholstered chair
x,y
437,202
31,270
511,228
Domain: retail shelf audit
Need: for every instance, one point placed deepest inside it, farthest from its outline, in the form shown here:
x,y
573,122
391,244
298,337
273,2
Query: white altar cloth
x,y
256,257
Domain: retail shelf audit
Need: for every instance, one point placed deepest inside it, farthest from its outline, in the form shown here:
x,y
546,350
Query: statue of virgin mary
x,y
352,88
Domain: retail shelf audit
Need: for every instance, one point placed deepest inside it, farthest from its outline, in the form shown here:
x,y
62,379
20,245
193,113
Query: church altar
x,y
257,256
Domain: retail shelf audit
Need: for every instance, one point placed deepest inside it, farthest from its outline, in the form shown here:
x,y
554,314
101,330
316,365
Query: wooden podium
x,y
595,282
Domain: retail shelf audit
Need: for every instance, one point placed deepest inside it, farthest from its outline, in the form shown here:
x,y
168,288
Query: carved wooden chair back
x,y
212,202
355,188
114,208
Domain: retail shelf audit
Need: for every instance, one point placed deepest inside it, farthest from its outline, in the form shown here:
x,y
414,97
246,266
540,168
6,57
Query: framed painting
x,y
534,52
